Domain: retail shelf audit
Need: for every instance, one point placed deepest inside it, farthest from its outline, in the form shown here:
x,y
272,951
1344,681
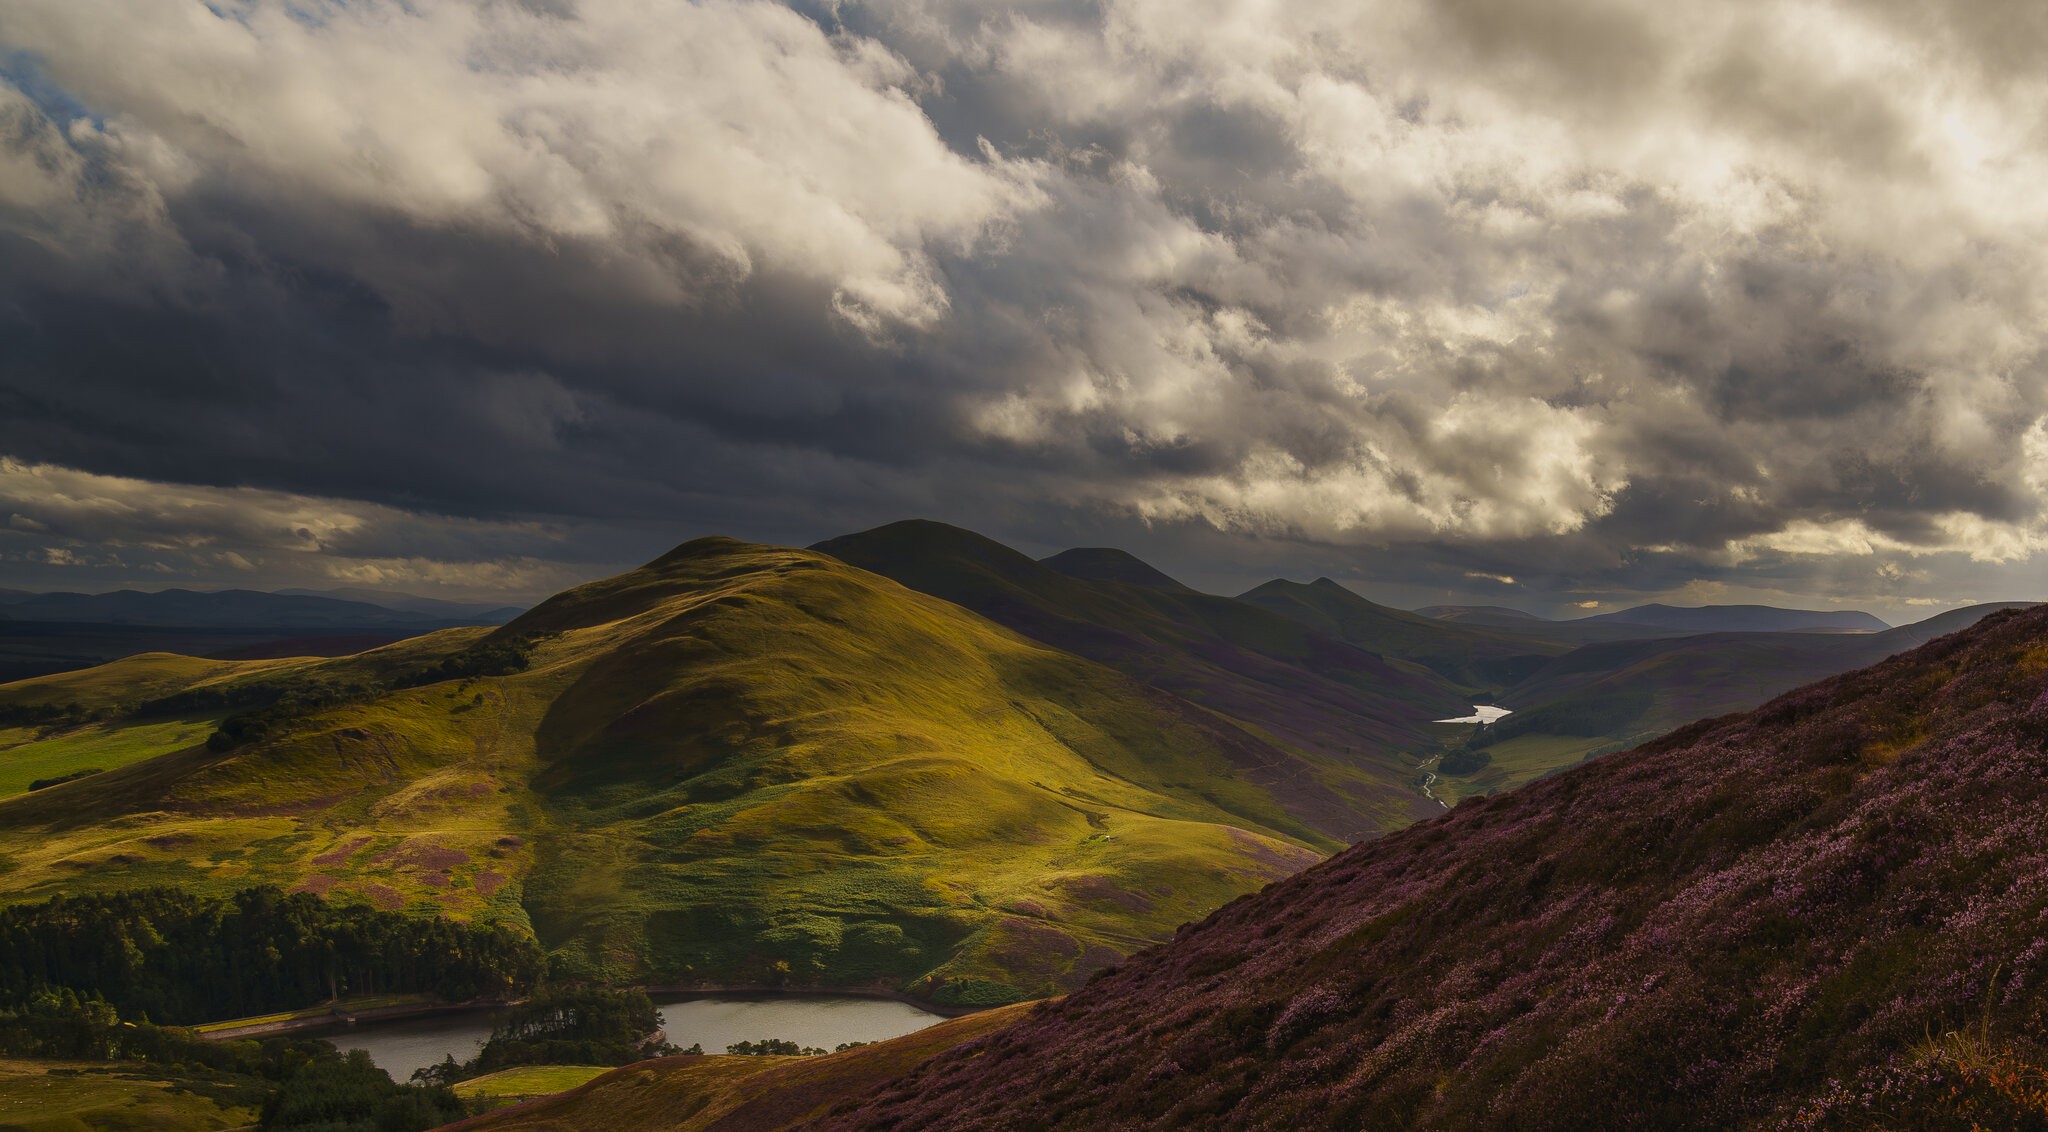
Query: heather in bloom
x,y
1830,912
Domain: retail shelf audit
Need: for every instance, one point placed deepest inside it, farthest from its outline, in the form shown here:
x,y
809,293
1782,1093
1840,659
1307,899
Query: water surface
x,y
713,1020
1481,713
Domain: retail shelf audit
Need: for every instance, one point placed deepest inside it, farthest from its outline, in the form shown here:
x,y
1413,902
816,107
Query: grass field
x,y
509,1086
25,758
50,1096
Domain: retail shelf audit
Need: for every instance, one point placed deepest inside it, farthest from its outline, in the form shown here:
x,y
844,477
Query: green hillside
x,y
1356,722
736,764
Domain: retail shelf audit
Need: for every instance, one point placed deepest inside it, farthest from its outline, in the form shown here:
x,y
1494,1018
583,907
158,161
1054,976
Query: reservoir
x,y
713,1020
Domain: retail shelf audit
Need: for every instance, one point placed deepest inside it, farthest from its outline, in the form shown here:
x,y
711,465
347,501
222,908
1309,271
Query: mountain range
x,y
42,633
910,757
1743,619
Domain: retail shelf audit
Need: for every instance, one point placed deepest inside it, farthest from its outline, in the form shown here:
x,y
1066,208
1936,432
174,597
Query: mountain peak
x,y
918,552
1109,564
709,546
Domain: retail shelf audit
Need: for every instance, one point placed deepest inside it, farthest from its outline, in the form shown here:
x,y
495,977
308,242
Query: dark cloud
x,y
1451,298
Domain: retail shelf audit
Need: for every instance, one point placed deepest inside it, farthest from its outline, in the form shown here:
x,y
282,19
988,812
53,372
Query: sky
x,y
1562,307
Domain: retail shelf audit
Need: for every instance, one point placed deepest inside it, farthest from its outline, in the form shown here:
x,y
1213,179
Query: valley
x,y
910,761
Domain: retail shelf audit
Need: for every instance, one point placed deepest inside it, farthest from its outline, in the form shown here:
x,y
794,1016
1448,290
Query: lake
x,y
715,1020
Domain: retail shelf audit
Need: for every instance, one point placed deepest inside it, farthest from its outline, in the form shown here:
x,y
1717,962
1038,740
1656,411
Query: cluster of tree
x,y
974,992
171,956
299,1083
779,1047
349,1094
61,779
48,716
493,656
61,1025
299,698
1464,761
590,1026
773,1047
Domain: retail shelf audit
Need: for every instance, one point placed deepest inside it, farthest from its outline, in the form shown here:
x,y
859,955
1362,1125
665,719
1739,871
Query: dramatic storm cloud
x,y
1535,304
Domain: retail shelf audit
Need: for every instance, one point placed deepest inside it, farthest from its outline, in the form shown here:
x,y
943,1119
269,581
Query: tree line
x,y
174,957
296,1083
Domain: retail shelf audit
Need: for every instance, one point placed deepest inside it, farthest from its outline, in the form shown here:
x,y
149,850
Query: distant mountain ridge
x,y
1352,720
1740,619
1472,656
480,612
1481,613
43,633
219,609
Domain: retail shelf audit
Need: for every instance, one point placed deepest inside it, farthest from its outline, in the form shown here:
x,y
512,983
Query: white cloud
x,y
738,128
1752,285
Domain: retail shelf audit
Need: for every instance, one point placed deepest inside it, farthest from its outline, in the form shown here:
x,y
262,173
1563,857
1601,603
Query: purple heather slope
x,y
1757,921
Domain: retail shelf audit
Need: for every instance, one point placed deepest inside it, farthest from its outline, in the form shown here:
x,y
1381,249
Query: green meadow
x,y
510,1086
54,1096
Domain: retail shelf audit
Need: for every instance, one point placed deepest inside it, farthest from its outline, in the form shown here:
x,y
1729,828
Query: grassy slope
x,y
407,799
788,761
59,1096
26,755
736,763
739,1094
1354,721
525,1082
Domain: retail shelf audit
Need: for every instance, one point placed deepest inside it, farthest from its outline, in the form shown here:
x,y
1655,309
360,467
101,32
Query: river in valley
x,y
1481,713
712,1020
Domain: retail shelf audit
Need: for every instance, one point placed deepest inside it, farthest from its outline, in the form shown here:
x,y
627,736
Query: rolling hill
x,y
479,612
735,764
1823,914
1354,721
1497,615
47,633
1742,619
